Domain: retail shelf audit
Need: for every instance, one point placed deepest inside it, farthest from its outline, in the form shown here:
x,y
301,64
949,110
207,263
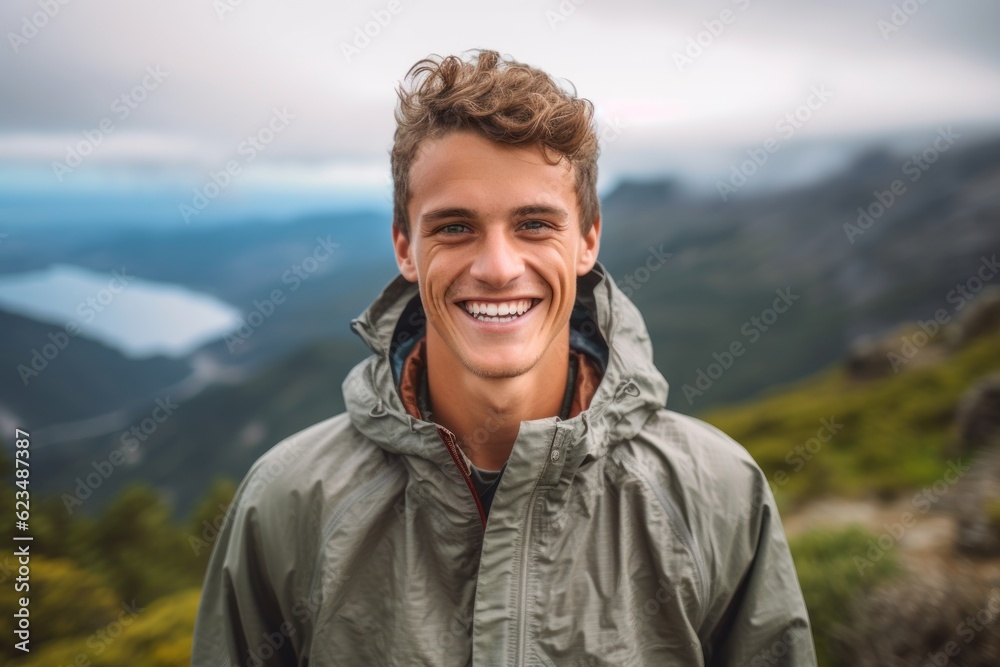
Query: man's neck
x,y
486,413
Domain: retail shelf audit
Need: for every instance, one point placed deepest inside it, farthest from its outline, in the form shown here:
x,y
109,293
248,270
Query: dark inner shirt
x,y
487,481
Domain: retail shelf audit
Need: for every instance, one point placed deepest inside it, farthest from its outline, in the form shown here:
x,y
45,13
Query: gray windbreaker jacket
x,y
626,535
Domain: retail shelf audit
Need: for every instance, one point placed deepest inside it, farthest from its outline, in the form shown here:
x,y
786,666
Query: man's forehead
x,y
469,161
467,146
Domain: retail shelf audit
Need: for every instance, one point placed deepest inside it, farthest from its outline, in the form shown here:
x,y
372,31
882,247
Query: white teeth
x,y
493,312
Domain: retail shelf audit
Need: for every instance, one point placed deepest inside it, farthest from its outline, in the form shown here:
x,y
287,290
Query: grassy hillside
x,y
891,434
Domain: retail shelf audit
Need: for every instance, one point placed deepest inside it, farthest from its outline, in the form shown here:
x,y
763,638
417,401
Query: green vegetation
x,y
118,588
897,432
158,635
59,585
831,581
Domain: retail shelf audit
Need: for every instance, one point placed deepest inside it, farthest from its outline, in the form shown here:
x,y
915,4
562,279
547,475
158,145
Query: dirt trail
x,y
927,544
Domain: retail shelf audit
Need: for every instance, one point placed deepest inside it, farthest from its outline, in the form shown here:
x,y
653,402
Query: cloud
x,y
227,72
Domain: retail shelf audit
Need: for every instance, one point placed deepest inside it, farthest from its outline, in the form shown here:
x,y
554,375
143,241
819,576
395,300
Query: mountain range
x,y
792,278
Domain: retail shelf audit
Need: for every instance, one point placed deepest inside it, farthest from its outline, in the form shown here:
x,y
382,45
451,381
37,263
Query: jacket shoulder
x,y
698,458
329,458
714,493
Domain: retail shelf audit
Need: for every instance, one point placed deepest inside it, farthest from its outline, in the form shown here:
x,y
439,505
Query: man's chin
x,y
497,370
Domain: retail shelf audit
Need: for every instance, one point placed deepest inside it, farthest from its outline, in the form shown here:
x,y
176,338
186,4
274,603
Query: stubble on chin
x,y
493,373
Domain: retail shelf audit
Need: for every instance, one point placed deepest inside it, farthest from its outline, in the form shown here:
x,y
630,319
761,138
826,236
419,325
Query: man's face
x,y
493,227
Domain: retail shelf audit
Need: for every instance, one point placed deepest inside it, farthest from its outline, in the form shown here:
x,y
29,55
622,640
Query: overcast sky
x,y
226,66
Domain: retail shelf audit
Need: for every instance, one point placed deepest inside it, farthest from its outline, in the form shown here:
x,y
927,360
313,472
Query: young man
x,y
506,487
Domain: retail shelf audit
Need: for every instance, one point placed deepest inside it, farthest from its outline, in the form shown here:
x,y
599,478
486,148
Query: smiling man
x,y
506,486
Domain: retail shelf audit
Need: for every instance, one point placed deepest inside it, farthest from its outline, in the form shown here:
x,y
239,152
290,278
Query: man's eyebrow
x,y
447,213
539,209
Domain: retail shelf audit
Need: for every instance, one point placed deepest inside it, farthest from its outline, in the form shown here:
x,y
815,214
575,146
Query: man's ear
x,y
404,254
590,243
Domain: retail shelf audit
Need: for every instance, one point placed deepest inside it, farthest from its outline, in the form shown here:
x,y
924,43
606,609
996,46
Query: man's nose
x,y
498,260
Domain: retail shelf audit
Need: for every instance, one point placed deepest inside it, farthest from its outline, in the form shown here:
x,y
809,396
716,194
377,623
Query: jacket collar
x,y
631,389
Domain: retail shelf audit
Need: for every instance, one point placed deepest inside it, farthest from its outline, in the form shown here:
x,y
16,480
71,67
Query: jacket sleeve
x,y
239,619
765,621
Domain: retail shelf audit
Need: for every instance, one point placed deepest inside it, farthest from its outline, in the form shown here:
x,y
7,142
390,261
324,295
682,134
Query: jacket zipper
x,y
523,617
449,441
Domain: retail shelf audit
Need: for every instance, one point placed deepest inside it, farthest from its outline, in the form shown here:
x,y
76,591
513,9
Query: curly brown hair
x,y
501,99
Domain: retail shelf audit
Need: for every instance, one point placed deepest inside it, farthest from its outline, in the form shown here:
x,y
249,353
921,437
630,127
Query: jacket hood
x,y
631,390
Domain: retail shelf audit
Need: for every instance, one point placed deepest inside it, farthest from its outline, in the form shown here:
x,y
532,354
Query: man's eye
x,y
535,225
454,228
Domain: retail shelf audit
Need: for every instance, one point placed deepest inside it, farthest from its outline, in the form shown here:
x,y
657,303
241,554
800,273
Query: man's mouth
x,y
498,311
